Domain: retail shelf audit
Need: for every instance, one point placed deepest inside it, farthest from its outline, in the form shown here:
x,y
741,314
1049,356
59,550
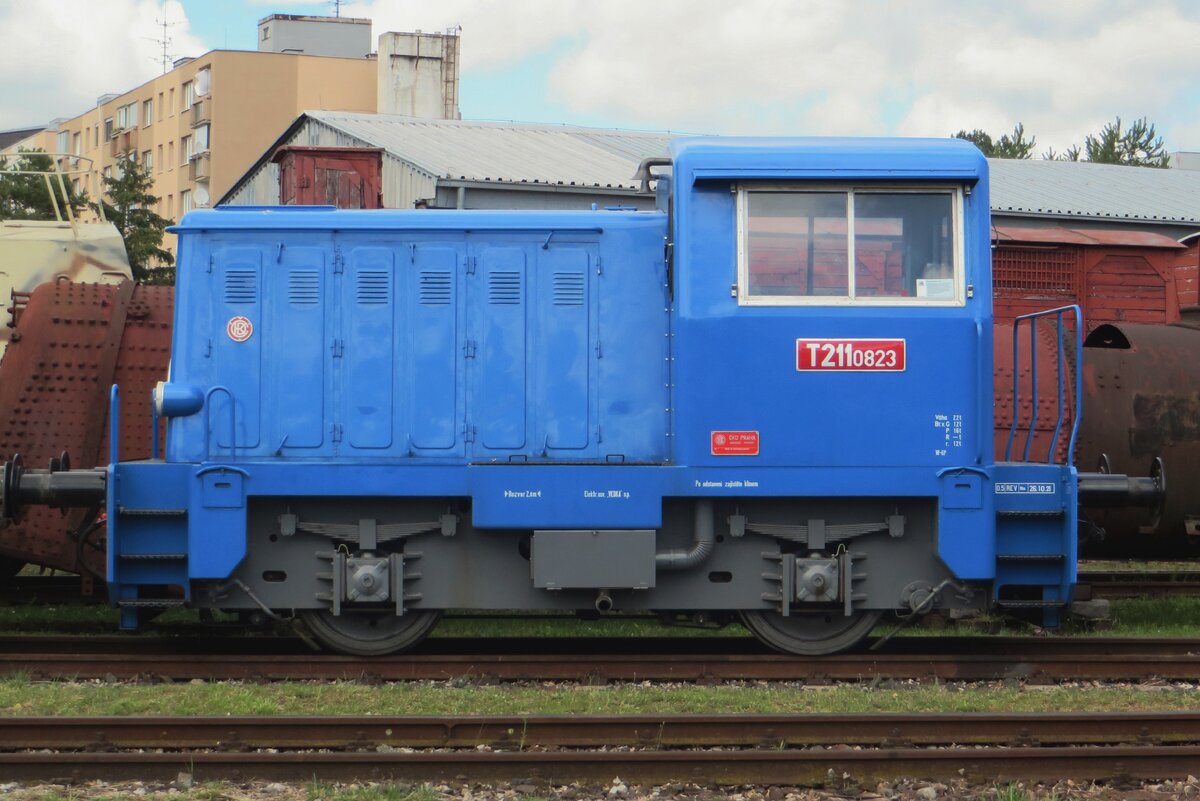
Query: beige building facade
x,y
200,127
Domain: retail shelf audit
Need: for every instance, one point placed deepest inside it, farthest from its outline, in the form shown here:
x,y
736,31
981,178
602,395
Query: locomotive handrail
x,y
1033,380
114,424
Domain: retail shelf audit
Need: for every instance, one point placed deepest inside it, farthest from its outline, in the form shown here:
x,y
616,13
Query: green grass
x,y
25,697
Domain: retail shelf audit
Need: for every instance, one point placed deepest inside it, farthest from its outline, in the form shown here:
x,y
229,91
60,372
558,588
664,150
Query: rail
x,y
607,659
1033,319
708,749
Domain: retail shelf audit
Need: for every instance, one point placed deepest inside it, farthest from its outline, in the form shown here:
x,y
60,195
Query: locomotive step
x,y
152,512
1034,513
1030,557
151,603
153,556
1031,604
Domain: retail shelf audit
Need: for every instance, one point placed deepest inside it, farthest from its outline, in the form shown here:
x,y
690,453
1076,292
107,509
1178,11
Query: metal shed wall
x,y
402,184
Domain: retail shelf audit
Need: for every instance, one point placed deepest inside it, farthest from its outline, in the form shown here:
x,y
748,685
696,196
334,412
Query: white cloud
x,y
920,68
58,56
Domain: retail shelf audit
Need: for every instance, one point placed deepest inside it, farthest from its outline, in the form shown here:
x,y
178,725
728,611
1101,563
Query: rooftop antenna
x,y
337,6
165,43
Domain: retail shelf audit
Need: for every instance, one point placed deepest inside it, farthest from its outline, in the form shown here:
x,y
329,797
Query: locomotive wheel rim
x,y
811,633
368,633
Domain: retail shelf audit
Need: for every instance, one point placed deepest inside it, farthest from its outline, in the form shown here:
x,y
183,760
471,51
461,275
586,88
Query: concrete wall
x,y
343,37
418,75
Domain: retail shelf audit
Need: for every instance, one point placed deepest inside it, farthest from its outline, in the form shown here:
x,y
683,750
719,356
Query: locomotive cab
x,y
834,334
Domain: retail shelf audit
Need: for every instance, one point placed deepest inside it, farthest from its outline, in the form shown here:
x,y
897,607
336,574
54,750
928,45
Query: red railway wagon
x,y
1141,380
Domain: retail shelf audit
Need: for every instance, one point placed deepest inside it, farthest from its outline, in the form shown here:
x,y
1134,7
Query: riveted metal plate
x,y
54,381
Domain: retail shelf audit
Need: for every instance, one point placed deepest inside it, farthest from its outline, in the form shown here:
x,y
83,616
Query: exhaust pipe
x,y
702,543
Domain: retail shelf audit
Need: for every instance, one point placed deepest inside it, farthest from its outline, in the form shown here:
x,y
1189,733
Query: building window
x,y
266,32
108,129
64,141
171,154
147,112
849,245
147,160
161,106
77,146
203,79
201,134
160,159
185,202
185,149
171,103
75,186
127,116
189,95
108,172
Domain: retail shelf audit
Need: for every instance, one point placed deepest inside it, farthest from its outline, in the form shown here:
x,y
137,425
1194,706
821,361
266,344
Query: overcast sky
x,y
912,68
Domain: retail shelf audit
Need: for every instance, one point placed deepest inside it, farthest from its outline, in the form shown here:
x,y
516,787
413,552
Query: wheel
x,y
368,633
812,633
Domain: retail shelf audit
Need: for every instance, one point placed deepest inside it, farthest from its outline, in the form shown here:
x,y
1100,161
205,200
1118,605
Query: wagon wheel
x,y
368,633
811,633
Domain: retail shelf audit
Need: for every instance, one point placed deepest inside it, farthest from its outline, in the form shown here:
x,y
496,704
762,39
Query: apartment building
x,y
199,127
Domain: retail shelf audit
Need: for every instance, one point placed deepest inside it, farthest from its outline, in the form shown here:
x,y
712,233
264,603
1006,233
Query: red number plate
x,y
850,355
735,443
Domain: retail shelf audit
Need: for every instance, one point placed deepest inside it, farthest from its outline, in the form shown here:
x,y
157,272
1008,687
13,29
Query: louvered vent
x,y
374,287
437,288
304,287
504,287
241,286
568,289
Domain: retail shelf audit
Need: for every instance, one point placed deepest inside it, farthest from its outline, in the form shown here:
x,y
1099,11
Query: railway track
x,y
729,749
1138,584
608,659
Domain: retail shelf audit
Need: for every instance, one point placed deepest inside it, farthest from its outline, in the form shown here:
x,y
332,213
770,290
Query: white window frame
x,y
148,112
202,81
189,95
744,298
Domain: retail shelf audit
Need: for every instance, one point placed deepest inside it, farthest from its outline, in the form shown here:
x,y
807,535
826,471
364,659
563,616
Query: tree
x,y
1008,146
1135,146
26,197
130,207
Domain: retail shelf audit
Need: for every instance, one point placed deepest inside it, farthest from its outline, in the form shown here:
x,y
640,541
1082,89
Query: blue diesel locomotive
x,y
770,398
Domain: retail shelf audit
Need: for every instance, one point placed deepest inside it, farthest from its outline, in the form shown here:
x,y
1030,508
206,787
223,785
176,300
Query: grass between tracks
x,y
20,696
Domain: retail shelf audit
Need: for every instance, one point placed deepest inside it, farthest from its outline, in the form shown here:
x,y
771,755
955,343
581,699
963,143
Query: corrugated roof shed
x,y
564,155
1094,191
509,152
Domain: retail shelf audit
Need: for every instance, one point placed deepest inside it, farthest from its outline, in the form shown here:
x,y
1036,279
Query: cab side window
x,y
854,245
